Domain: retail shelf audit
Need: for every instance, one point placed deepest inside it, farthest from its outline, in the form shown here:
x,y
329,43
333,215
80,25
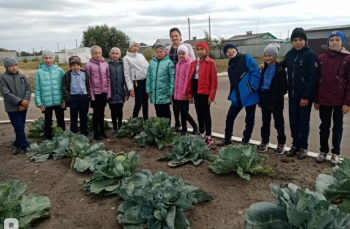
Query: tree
x,y
25,54
211,43
105,37
148,53
220,44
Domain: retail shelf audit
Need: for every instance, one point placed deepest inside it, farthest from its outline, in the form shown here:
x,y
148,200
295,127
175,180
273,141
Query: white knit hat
x,y
95,47
115,49
183,48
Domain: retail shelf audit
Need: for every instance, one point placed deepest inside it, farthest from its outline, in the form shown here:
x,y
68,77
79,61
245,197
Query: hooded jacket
x,y
183,68
118,86
135,68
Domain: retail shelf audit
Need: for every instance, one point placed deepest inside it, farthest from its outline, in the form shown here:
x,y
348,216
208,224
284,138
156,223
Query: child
x,y
202,85
16,90
181,103
273,87
76,94
100,85
119,93
244,75
48,92
160,82
333,94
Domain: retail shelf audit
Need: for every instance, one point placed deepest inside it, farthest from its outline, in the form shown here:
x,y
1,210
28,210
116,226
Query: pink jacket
x,y
99,77
183,68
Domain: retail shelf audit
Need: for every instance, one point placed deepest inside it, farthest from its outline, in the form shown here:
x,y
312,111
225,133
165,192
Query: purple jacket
x,y
99,77
183,68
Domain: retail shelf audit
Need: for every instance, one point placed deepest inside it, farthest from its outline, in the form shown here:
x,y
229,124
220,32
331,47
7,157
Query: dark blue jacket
x,y
244,78
302,72
118,86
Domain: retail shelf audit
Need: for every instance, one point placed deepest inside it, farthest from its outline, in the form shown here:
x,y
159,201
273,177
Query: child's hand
x,y
261,66
22,108
259,105
42,108
191,100
346,109
304,102
171,97
210,101
25,103
64,105
127,98
132,93
149,95
317,106
184,97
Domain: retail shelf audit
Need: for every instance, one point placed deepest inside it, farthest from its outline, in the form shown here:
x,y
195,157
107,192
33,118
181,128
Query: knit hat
x,y
298,33
47,52
93,48
272,49
229,46
183,48
74,60
9,60
203,45
339,34
115,49
160,46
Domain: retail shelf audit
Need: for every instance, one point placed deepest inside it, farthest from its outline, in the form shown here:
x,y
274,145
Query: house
x,y
83,53
253,39
165,42
143,46
317,37
8,53
194,41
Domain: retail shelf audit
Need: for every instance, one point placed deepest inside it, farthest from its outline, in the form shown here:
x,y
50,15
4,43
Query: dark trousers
x,y
117,114
279,125
299,121
163,111
249,121
326,119
98,115
141,99
18,121
59,112
176,110
79,106
202,109
183,107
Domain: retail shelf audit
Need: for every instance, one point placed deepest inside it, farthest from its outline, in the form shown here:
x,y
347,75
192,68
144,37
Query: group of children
x,y
179,80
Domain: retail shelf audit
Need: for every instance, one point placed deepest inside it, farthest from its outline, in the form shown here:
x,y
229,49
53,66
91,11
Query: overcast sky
x,y
28,24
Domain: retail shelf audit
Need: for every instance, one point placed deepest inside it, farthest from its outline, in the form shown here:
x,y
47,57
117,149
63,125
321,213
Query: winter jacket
x,y
66,81
190,50
207,78
118,86
160,80
334,78
244,75
98,72
278,88
14,88
48,90
135,68
183,68
302,72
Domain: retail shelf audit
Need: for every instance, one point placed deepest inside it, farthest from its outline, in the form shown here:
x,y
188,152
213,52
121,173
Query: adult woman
x,y
135,73
171,50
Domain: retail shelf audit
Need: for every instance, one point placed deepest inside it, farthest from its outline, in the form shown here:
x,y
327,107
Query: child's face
x,y
201,52
160,53
13,68
335,43
48,60
97,55
115,55
298,43
231,53
135,48
182,55
75,67
269,59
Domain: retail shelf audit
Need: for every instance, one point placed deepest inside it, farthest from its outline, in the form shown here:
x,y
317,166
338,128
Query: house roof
x,y
329,28
163,41
245,36
194,42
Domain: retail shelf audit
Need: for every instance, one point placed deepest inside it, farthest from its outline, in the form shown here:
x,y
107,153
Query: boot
x,y
302,154
293,151
224,142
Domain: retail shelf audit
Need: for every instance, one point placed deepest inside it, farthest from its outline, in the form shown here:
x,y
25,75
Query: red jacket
x,y
334,78
207,78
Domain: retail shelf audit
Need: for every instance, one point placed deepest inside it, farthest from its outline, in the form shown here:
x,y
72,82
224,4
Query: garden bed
x,y
72,207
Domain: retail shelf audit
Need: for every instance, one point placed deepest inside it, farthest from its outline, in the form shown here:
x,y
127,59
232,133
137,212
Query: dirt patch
x,y
74,208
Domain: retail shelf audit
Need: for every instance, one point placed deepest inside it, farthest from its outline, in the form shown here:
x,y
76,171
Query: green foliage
x,y
188,148
157,201
36,128
106,37
243,159
14,203
131,128
156,130
295,209
105,179
91,127
336,188
149,53
25,60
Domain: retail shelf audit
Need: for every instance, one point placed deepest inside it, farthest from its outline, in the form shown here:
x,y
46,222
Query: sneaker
x,y
16,150
302,154
335,159
292,152
195,130
177,128
183,133
263,147
244,143
209,141
280,149
103,134
321,157
115,131
203,137
224,142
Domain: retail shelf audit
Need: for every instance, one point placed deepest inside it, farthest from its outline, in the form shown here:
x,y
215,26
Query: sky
x,y
27,24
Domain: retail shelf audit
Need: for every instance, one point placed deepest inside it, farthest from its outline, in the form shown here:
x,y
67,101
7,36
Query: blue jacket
x,y
244,78
302,72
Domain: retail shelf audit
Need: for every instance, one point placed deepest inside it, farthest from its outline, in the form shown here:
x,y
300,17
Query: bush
x,y
25,60
35,59
148,53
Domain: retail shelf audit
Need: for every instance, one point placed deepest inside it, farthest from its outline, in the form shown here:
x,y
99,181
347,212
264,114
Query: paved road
x,y
219,112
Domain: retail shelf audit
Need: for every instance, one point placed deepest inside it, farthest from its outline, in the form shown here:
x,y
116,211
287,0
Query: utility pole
x,y
209,29
33,52
288,33
189,29
257,25
58,48
76,42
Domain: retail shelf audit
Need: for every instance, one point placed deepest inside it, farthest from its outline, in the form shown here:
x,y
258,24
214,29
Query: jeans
x,y
141,99
59,111
279,125
79,106
18,121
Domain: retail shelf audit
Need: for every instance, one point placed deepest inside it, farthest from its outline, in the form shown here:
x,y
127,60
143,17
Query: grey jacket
x,y
14,88
118,86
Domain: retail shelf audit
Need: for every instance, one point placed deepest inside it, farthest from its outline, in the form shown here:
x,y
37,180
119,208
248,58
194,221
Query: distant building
x,y
253,39
194,41
83,53
143,46
165,42
317,37
8,53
